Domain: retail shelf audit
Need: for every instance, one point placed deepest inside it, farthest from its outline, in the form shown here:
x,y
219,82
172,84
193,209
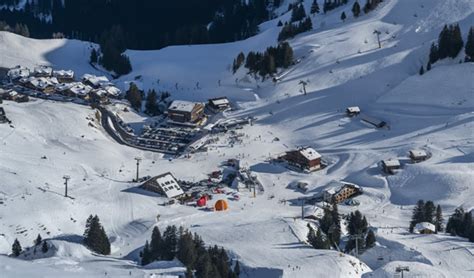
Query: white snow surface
x,y
344,67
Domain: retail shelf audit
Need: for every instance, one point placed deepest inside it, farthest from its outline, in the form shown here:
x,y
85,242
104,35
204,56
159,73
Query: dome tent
x,y
221,205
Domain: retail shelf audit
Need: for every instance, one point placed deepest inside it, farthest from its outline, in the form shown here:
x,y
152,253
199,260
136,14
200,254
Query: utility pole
x,y
303,83
377,32
302,208
138,159
66,179
401,269
356,237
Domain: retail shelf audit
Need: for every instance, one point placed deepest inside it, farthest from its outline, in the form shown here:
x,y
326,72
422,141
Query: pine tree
x,y
356,9
151,105
418,215
457,42
186,253
94,56
44,247
16,248
370,239
279,24
146,254
471,234
429,212
438,218
237,268
428,66
169,243
466,225
454,226
96,239
298,13
443,43
422,71
343,16
469,48
314,7
38,240
156,244
434,53
335,229
134,96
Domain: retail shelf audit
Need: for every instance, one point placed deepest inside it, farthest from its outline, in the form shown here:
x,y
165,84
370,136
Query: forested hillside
x,y
146,24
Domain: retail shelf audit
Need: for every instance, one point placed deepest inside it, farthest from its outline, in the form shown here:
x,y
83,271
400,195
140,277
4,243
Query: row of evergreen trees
x,y
427,212
135,96
450,44
461,224
110,56
95,237
189,249
291,30
332,4
267,63
17,249
20,28
328,235
146,24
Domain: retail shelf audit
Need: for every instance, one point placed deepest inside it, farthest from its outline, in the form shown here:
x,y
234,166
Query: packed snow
x,y
343,67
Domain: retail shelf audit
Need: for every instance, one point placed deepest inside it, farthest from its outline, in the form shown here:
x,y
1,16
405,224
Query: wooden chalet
x,y
64,76
164,184
418,155
338,192
218,104
352,111
389,166
185,111
304,158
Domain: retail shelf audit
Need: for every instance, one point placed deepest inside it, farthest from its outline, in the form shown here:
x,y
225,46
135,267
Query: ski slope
x,y
344,67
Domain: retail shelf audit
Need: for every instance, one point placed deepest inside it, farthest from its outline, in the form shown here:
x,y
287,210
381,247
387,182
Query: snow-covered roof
x,y
63,73
80,89
182,105
112,90
43,82
219,101
18,72
310,153
95,80
391,162
418,153
353,109
169,185
43,70
425,226
64,86
13,93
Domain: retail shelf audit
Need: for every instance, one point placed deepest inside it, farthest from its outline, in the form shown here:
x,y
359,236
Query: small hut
x,y
425,228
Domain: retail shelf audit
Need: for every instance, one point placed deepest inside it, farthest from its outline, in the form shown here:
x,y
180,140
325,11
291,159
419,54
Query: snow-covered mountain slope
x,y
344,67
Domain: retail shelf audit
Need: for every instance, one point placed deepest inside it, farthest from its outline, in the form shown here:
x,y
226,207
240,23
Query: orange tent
x,y
221,205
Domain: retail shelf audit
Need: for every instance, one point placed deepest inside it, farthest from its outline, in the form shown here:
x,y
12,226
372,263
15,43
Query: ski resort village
x,y
281,138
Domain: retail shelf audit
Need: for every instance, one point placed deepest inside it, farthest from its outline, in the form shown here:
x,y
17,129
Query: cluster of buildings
x,y
193,113
44,81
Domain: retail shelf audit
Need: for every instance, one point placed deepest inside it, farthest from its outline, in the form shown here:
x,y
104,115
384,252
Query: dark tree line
x,y
371,5
17,249
427,212
298,13
95,237
332,4
461,224
19,28
450,43
267,63
329,233
147,24
469,48
293,29
190,250
359,231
